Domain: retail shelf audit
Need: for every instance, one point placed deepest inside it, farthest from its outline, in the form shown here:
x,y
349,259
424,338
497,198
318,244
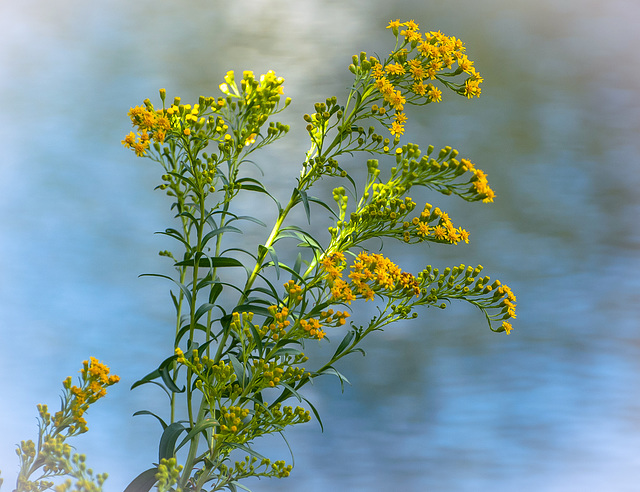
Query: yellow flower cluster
x,y
95,379
508,303
259,97
149,125
313,327
294,292
401,78
479,180
369,274
280,321
443,231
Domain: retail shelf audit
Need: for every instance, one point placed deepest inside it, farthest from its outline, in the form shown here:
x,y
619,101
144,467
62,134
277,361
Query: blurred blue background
x,y
439,403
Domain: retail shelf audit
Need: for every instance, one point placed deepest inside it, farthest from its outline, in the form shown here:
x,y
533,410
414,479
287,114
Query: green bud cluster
x,y
168,474
361,64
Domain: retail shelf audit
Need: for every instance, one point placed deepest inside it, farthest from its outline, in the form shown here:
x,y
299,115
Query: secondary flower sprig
x,y
52,456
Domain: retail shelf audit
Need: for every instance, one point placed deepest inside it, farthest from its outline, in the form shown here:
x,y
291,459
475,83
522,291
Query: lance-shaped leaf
x,y
143,482
168,440
212,262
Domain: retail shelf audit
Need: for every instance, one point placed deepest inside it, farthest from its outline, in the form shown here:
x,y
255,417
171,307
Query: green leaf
x,y
183,287
147,412
238,368
305,201
315,412
237,484
168,381
168,440
212,262
148,378
186,329
265,291
218,231
298,264
290,389
247,450
274,259
251,219
215,292
197,429
332,370
143,482
287,351
256,339
206,307
175,235
344,343
323,204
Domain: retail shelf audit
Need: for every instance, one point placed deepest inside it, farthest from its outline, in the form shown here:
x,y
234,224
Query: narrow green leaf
x,y
323,204
197,429
251,219
290,389
168,381
333,371
143,482
204,308
298,264
247,450
238,368
186,329
149,377
215,292
287,351
237,484
147,412
305,201
257,339
274,258
183,287
168,440
218,231
212,262
315,412
344,343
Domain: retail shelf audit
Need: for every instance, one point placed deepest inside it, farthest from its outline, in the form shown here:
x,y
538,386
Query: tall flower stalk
x,y
237,366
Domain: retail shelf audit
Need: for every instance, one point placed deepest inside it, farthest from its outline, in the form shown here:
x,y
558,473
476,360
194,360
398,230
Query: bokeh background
x,y
439,403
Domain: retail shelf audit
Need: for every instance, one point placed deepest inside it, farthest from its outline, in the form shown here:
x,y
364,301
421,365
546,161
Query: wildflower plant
x,y
238,358
51,456
237,367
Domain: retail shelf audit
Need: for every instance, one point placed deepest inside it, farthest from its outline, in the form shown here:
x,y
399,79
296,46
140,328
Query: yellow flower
x,y
396,128
394,24
397,100
472,88
419,88
401,118
395,69
377,71
434,93
439,232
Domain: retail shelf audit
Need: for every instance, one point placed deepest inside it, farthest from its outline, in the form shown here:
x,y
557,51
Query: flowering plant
x,y
238,358
51,456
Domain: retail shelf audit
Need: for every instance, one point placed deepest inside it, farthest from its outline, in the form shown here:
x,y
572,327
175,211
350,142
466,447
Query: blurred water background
x,y
439,403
